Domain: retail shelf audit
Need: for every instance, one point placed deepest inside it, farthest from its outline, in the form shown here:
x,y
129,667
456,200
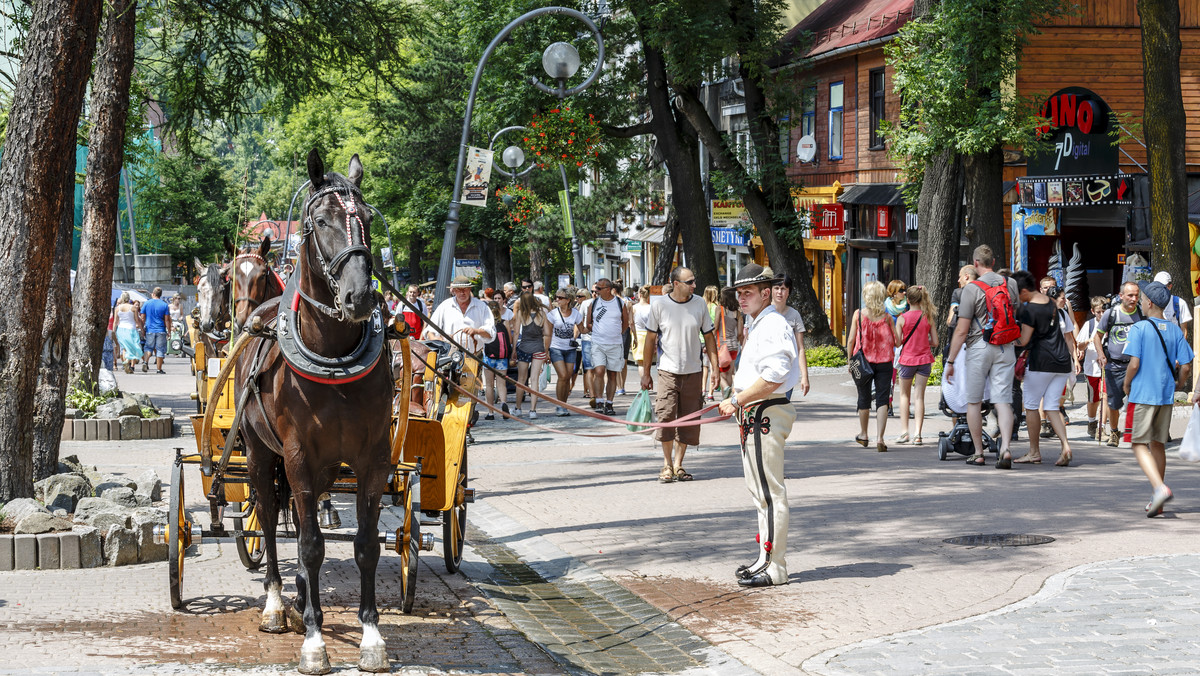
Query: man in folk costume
x,y
768,366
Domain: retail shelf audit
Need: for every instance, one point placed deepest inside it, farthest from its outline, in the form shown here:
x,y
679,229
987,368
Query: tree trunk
x,y
938,235
38,160
984,180
1166,131
416,250
53,367
109,109
503,259
487,260
665,261
679,145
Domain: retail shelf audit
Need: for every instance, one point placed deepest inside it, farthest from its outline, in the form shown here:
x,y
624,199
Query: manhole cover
x,y
999,540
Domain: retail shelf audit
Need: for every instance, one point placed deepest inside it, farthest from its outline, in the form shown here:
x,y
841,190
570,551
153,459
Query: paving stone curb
x,y
109,429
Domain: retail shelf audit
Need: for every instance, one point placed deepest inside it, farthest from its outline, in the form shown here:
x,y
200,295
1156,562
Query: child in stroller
x,y
958,439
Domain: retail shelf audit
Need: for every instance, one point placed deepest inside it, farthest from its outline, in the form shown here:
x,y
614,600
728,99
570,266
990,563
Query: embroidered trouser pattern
x,y
764,429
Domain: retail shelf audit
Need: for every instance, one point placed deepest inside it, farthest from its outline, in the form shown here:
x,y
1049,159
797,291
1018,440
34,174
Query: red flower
x,y
579,164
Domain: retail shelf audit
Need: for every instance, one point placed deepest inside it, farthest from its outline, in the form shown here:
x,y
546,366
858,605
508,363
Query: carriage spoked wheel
x,y
410,546
178,537
454,522
249,548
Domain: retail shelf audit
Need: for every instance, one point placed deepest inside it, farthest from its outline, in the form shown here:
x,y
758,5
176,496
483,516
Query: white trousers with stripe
x,y
764,428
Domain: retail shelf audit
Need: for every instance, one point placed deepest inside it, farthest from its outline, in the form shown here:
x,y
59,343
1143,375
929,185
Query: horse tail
x,y
283,492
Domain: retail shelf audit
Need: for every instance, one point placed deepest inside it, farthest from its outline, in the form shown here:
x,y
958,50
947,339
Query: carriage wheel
x,y
177,530
409,549
454,522
249,548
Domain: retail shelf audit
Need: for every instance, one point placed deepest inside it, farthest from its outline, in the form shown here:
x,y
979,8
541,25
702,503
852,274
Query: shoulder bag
x,y
860,369
724,358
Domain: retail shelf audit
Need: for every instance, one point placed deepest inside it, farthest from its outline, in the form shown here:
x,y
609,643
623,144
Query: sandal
x,y
1064,460
681,474
917,441
977,461
1029,459
1004,460
862,441
902,439
666,476
881,447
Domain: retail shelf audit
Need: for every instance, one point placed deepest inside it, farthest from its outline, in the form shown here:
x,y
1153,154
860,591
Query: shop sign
x,y
466,262
1026,222
828,220
729,214
883,222
633,246
1076,191
729,237
1077,128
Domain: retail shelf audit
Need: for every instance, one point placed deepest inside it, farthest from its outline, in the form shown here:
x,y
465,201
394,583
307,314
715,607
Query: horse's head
x,y
212,296
336,239
254,281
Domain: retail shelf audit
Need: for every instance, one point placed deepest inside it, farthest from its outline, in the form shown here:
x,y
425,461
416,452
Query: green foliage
x,y
192,204
935,372
562,137
825,355
86,400
953,68
148,412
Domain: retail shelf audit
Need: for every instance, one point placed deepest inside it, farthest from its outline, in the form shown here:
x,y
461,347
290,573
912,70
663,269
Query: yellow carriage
x,y
428,456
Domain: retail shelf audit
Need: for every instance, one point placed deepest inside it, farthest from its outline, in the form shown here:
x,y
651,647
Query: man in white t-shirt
x,y
1177,310
539,292
466,318
605,320
675,322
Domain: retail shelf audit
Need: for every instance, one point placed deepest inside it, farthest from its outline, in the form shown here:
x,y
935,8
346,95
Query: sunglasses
x,y
691,281
526,287
560,298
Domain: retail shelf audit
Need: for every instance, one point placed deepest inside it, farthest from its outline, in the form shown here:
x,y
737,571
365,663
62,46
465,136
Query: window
x,y
877,110
745,151
785,138
835,121
808,116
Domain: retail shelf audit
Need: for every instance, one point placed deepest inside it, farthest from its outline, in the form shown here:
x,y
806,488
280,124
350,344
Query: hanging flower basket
x,y
520,202
562,137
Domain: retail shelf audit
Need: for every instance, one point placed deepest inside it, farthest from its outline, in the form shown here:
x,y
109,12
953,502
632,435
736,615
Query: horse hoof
x,y
295,620
314,661
274,623
374,659
330,519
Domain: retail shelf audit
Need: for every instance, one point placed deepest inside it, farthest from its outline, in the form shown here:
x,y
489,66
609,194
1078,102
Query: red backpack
x,y
1001,327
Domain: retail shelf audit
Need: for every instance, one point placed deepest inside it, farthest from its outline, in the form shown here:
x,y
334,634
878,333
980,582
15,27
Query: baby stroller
x,y
954,404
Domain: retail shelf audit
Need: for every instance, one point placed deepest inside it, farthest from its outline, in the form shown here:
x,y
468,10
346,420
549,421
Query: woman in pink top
x,y
873,331
918,331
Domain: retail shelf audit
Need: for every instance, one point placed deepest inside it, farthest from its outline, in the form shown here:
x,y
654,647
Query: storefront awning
x,y
878,194
650,234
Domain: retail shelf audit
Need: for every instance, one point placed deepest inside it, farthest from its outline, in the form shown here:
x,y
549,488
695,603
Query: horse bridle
x,y
350,207
249,299
216,334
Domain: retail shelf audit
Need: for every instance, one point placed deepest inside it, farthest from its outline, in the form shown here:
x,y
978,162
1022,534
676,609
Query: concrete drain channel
x,y
999,540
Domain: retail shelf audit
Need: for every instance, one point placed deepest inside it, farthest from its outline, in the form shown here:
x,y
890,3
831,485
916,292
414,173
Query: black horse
x,y
323,398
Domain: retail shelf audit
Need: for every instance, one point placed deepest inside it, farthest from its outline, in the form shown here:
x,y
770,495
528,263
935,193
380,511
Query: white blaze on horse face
x,y
204,298
246,267
371,637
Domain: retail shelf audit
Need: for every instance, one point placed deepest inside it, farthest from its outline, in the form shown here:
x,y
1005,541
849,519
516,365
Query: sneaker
x,y
1162,495
504,407
145,367
161,372
1047,431
516,413
1093,425
559,411
489,417
608,408
1114,438
621,392
533,415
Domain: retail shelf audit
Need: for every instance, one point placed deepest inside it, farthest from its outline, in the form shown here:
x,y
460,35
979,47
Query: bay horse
x,y
322,394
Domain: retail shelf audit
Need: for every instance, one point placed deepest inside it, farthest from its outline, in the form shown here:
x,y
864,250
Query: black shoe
x,y
759,580
161,372
504,407
743,571
608,409
489,417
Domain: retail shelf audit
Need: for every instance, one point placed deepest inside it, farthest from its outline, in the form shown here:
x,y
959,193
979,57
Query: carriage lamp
x,y
560,60
513,157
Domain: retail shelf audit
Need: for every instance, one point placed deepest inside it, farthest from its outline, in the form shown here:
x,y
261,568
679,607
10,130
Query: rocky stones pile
x,y
88,519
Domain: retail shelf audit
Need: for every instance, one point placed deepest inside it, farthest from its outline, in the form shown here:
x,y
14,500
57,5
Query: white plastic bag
x,y
1189,448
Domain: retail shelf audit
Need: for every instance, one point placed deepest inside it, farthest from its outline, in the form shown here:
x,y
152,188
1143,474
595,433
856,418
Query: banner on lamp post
x,y
479,176
565,202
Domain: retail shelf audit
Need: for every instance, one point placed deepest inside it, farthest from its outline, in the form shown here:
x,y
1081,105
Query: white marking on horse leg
x,y
274,600
371,637
313,643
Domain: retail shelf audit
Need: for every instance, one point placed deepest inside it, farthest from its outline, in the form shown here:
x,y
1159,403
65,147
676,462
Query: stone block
x,y
91,554
6,552
69,551
18,509
146,432
64,490
24,552
67,430
72,461
101,430
144,521
40,522
114,429
120,546
121,495
150,485
89,429
90,509
142,400
77,430
69,412
131,427
48,557
113,481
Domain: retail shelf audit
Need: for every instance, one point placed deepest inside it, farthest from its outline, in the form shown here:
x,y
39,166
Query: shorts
x,y
1093,389
993,364
586,356
1114,380
1044,388
497,364
568,355
156,344
677,396
608,356
1151,423
528,357
907,372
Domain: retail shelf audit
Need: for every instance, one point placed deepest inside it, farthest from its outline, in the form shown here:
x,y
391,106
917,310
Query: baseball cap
x,y
1163,277
1156,292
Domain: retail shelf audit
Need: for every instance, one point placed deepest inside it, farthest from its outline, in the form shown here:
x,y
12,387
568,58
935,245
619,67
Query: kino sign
x,y
1077,126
